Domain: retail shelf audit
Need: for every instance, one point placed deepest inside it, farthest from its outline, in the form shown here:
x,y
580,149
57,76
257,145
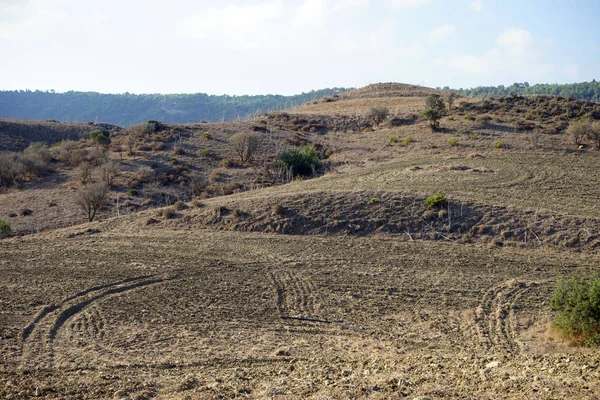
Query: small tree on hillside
x,y
92,198
100,137
378,114
434,109
246,145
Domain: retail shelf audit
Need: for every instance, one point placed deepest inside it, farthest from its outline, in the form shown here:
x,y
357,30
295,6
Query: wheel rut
x,y
495,319
38,336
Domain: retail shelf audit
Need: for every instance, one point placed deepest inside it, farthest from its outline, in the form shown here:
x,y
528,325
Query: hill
x,y
127,109
582,90
208,277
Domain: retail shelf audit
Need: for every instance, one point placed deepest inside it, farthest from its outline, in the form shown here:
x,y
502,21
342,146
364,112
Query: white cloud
x,y
476,5
441,32
515,55
400,4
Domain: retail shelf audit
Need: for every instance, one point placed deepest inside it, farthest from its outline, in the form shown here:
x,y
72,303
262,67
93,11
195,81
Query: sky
x,y
291,46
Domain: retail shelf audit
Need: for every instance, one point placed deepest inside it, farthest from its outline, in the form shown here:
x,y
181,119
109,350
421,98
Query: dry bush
x,y
578,130
378,114
92,198
196,184
69,153
178,150
216,175
12,169
246,145
37,158
108,172
168,213
594,134
84,173
144,173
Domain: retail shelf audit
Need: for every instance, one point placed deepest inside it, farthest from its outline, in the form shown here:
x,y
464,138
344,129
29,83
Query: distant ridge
x,y
127,109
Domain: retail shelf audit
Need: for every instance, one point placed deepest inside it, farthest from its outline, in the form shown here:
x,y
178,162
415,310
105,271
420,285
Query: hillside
x,y
127,109
206,277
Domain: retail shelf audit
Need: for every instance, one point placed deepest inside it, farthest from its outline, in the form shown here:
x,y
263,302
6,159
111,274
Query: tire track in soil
x,y
495,320
38,336
296,297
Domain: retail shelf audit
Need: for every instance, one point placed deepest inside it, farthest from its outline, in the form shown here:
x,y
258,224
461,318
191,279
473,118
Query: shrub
x,y
406,141
91,198
84,173
5,229
436,200
374,200
225,163
301,162
474,136
246,145
577,305
206,135
132,192
12,169
100,137
393,139
178,150
578,130
451,118
378,114
498,144
204,152
453,142
433,116
196,183
37,159
108,172
594,134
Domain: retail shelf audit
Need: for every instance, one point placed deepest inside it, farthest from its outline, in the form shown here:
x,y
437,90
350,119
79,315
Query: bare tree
x,y
246,145
450,100
109,171
378,114
91,198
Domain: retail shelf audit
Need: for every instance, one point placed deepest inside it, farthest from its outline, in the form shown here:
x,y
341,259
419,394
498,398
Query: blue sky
x,y
290,46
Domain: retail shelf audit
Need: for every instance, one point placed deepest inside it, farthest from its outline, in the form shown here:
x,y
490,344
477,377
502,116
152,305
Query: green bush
x,y
5,229
393,139
374,200
100,137
577,304
204,152
453,142
207,135
474,136
301,162
498,144
406,141
132,192
436,200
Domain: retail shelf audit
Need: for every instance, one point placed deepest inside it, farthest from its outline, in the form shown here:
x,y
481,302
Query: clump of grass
x,y
278,209
374,200
453,142
204,152
498,144
451,118
436,200
5,229
178,150
577,304
132,192
406,141
225,163
474,136
206,135
173,160
393,139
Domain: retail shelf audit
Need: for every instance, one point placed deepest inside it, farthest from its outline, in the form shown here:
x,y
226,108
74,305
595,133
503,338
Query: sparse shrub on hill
x,y
301,162
5,229
577,303
37,158
196,184
436,200
594,134
92,198
13,170
578,131
434,110
246,145
100,137
450,99
378,114
108,172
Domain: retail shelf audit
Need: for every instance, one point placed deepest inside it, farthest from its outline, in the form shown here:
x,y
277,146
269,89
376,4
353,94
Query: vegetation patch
x,y
577,304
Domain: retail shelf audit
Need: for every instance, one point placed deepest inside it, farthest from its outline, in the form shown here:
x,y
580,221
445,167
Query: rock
x,y
493,364
23,393
38,392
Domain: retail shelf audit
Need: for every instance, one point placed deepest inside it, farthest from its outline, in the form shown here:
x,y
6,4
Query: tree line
x,y
581,91
127,109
